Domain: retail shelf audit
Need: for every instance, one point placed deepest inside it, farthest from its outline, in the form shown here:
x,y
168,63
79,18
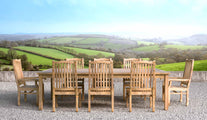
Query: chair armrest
x,y
179,80
29,79
175,77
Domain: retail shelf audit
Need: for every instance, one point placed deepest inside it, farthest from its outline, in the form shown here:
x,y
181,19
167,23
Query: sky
x,y
137,18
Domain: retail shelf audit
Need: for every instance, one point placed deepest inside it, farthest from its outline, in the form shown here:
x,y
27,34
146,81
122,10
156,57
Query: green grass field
x,y
92,41
4,61
144,42
61,40
46,51
35,59
184,47
91,52
200,65
147,48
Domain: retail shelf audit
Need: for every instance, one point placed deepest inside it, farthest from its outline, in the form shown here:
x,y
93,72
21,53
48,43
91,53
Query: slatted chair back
x,y
17,69
101,75
142,74
64,74
102,59
80,62
127,62
188,71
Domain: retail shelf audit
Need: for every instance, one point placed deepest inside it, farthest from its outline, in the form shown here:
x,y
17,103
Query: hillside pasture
x,y
199,65
61,40
139,42
92,41
147,48
47,52
91,52
34,59
184,47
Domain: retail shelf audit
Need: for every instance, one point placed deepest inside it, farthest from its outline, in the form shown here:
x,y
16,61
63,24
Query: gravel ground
x,y
101,106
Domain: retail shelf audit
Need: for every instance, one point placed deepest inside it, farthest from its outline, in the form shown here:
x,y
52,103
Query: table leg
x,y
166,91
40,93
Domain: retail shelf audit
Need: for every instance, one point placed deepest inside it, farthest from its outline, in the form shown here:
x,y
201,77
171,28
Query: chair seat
x,y
141,91
29,87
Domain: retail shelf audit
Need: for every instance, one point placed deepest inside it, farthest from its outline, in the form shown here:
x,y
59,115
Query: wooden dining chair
x,y
185,81
126,81
100,80
64,74
80,65
22,83
142,82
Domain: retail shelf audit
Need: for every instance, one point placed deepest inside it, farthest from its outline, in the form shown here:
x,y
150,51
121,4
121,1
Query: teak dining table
x,y
117,73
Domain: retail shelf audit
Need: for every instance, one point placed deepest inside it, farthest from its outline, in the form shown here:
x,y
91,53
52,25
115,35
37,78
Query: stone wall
x,y
8,76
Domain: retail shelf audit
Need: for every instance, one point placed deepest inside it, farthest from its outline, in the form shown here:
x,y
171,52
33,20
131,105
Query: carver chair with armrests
x,y
23,85
185,81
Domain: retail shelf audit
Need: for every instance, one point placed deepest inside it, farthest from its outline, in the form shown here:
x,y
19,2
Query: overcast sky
x,y
142,18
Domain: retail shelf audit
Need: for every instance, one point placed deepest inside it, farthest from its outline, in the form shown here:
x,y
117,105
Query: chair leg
x,y
25,96
187,97
168,97
89,102
163,92
43,93
83,91
124,91
112,101
130,103
150,101
79,100
37,97
76,97
127,100
53,102
181,96
18,98
153,100
92,97
56,103
145,98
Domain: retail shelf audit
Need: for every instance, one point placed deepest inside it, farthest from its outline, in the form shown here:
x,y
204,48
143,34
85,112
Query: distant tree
x,y
2,54
11,55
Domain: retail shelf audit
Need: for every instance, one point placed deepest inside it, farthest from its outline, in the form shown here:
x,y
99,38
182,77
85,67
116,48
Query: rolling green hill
x,y
200,65
144,42
184,47
92,41
35,59
46,51
61,40
91,52
147,48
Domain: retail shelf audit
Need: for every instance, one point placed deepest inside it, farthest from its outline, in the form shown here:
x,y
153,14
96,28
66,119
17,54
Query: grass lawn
x,y
147,48
91,52
35,59
92,41
184,47
200,65
47,51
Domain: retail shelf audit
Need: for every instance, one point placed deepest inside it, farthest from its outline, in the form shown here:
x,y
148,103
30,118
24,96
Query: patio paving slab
x,y
101,106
